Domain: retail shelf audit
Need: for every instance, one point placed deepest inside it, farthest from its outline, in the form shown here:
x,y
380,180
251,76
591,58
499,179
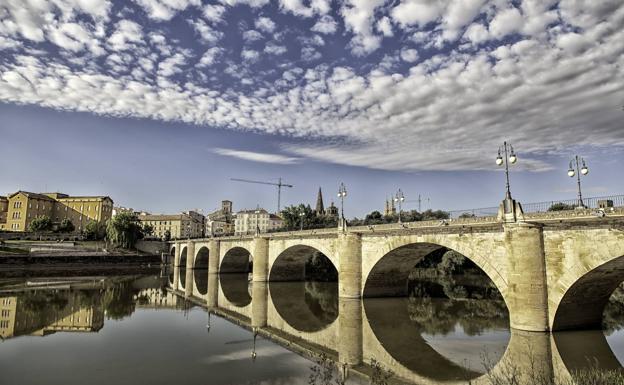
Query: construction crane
x,y
279,185
419,200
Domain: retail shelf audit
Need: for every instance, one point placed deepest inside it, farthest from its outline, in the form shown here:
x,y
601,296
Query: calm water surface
x,y
106,329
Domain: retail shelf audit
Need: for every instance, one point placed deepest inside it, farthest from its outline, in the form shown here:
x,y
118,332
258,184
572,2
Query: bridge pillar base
x,y
350,265
350,340
260,254
259,304
527,293
212,295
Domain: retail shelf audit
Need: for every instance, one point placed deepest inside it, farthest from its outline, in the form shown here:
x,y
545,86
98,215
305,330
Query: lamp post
x,y
399,198
581,169
342,193
301,216
510,157
257,212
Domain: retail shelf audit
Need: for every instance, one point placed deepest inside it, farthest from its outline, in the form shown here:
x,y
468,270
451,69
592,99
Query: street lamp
x,y
399,198
301,215
257,212
510,157
581,169
342,193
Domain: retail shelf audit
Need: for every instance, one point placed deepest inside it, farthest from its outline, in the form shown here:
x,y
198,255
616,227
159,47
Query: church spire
x,y
320,208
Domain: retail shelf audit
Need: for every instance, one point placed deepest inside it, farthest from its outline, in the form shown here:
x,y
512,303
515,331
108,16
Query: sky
x,y
158,103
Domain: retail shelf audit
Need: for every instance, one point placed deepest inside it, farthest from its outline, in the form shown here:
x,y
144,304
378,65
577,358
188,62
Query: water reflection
x,y
306,306
45,306
200,278
236,288
438,334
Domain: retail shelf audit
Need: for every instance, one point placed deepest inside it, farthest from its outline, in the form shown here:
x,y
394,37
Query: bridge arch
x,y
236,260
389,275
201,258
582,304
183,256
293,264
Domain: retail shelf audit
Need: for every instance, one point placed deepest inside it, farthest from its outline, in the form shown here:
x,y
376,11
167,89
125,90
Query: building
x,y
221,222
189,224
320,208
4,211
389,209
250,221
24,206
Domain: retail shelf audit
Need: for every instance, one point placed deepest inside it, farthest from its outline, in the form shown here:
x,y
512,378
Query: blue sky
x,y
158,103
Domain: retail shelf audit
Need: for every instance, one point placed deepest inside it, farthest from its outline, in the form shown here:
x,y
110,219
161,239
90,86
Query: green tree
x,y
560,207
66,226
167,236
40,224
467,215
95,231
124,230
148,229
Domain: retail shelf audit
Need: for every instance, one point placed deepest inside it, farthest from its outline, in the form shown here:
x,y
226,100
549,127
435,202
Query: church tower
x,y
320,208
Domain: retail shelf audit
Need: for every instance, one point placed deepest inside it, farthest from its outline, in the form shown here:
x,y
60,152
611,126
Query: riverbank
x,y
15,254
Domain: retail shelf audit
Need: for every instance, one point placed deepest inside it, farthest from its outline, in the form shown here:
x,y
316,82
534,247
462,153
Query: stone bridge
x,y
554,271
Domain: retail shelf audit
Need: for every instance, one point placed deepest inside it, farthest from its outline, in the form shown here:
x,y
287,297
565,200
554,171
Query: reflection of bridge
x,y
554,273
375,328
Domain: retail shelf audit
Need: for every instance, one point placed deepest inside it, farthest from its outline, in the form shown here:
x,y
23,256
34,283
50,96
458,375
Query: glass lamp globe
x,y
584,170
499,161
513,158
571,173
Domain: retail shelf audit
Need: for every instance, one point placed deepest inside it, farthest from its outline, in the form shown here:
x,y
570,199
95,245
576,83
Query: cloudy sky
x,y
159,102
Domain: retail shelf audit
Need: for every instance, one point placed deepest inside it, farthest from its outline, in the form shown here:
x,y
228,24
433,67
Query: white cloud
x,y
506,22
171,65
165,9
417,12
210,57
447,108
477,33
126,34
256,156
573,42
207,34
275,49
385,26
251,3
265,24
359,17
409,55
252,35
325,24
250,55
214,12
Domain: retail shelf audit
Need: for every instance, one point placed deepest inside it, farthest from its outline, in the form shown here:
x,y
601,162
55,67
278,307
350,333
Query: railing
x,y
541,207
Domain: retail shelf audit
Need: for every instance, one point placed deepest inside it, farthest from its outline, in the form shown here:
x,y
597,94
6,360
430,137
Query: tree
x,y
148,229
124,230
66,226
560,207
292,218
40,224
167,236
95,231
467,216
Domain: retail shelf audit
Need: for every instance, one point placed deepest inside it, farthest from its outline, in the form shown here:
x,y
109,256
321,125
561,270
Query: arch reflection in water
x,y
200,278
304,289
444,314
234,276
236,288
306,306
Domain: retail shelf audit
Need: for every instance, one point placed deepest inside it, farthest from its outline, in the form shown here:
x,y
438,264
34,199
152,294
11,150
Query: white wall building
x,y
247,221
